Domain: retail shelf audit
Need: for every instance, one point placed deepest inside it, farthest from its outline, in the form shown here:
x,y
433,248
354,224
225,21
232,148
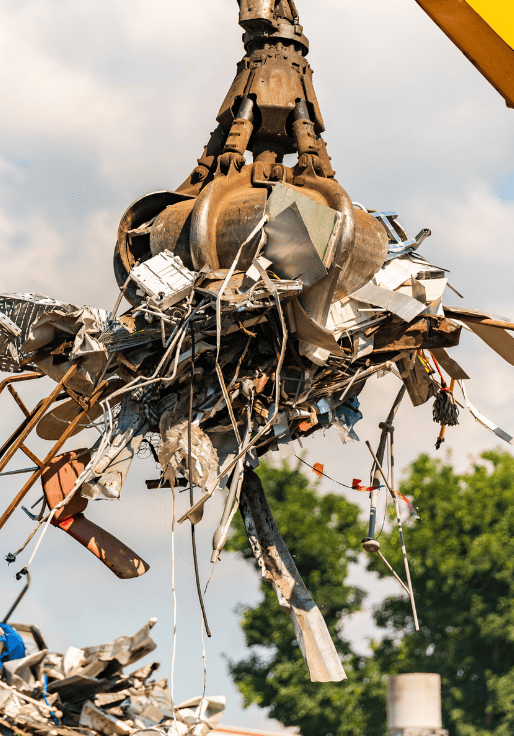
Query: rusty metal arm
x,y
32,421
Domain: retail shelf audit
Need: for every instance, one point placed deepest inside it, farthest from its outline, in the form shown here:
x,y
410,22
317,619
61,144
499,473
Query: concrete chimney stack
x,y
414,705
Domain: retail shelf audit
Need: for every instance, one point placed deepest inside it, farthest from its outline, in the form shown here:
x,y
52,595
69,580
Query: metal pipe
x,y
402,540
245,111
17,601
386,428
16,472
301,111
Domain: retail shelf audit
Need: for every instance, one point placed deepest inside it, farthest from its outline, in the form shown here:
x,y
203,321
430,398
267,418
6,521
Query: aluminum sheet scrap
x,y
402,305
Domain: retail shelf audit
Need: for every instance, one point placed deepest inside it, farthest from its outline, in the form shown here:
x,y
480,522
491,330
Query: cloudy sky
x,y
102,102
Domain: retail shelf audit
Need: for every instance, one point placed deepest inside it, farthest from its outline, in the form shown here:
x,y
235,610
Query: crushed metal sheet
x,y
23,310
173,453
398,271
415,377
80,328
290,249
403,306
432,289
449,364
308,330
278,568
322,223
497,338
48,692
484,421
468,315
348,315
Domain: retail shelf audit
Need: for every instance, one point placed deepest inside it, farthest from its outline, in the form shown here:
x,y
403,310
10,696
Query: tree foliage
x,y
462,566
324,536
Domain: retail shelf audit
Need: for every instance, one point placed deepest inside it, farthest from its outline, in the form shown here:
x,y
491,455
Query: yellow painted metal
x,y
499,14
485,34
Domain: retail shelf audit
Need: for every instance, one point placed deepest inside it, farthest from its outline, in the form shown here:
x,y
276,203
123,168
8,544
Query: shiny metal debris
x,y
87,691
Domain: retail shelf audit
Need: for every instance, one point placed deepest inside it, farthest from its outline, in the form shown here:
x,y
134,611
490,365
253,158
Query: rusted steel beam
x,y
465,316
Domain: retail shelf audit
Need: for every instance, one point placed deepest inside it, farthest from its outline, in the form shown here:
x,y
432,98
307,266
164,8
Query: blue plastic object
x,y
14,648
347,413
45,696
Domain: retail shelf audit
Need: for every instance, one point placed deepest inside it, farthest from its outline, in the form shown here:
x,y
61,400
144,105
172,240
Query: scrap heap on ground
x,y
85,691
261,301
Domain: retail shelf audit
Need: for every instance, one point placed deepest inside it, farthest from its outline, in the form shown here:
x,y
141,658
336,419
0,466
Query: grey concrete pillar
x,y
414,705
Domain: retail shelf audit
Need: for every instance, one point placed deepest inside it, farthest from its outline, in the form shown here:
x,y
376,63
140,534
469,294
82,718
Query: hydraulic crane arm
x,y
254,14
484,31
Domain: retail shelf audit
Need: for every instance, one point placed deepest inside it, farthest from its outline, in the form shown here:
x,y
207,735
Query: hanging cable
x,y
324,474
174,597
190,470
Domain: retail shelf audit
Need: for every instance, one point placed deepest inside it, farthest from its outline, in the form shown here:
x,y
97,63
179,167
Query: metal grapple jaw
x,y
270,110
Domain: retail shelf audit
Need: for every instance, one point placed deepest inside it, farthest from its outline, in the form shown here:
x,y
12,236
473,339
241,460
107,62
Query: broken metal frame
x,y
17,439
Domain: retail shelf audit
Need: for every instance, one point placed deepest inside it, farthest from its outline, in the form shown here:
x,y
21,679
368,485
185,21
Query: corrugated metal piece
x,y
402,305
23,310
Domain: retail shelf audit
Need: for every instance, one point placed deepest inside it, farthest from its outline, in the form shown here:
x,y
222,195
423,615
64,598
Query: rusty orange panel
x,y
491,55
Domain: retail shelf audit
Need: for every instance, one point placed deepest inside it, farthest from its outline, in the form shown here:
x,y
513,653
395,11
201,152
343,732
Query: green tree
x,y
462,567
324,536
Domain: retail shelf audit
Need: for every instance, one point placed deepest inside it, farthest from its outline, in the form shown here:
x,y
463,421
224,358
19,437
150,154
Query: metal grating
x,y
23,309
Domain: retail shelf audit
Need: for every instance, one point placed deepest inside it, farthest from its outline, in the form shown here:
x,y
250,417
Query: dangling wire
x,y
190,471
174,596
402,541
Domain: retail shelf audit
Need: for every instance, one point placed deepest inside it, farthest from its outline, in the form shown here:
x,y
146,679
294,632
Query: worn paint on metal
x,y
499,14
476,35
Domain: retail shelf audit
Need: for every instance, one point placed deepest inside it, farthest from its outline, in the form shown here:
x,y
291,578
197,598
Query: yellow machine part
x,y
499,14
484,31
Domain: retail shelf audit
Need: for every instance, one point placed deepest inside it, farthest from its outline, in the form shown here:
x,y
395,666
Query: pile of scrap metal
x,y
86,691
261,300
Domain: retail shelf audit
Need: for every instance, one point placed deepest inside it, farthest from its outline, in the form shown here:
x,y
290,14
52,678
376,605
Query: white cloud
x,y
33,247
102,102
476,226
49,99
